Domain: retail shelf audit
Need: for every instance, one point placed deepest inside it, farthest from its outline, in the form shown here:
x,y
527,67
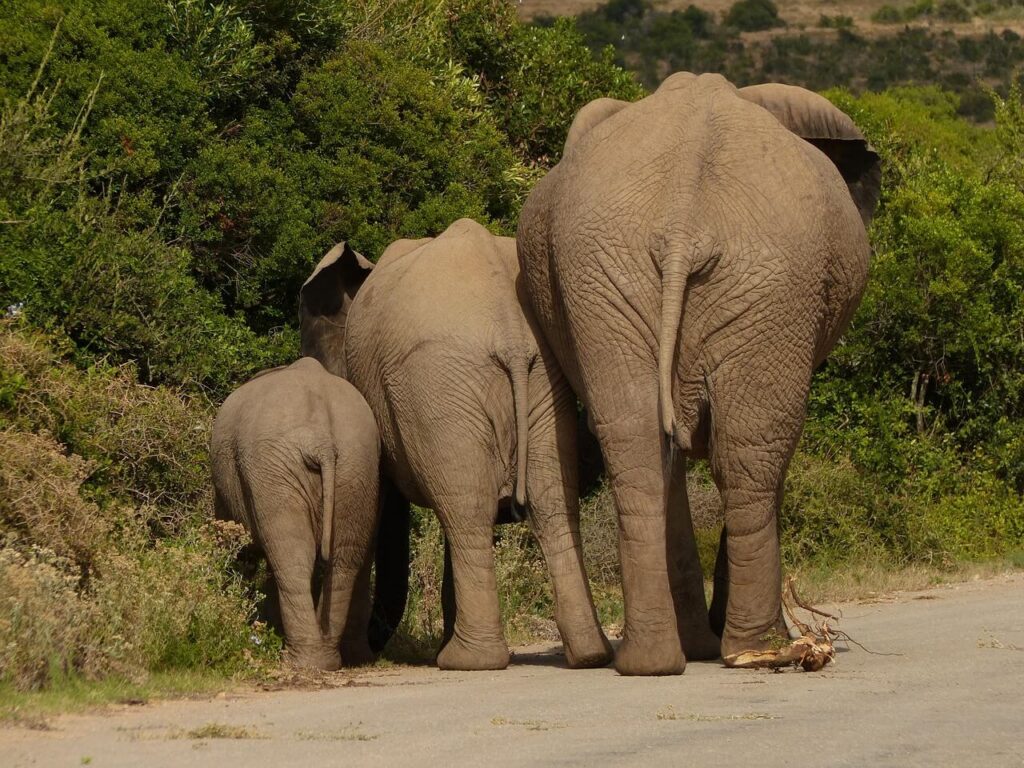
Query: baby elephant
x,y
295,456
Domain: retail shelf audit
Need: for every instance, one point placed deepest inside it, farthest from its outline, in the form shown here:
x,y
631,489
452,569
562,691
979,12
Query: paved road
x,y
954,696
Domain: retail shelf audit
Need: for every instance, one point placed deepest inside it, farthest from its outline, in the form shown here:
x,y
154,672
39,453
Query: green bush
x,y
951,10
835,22
887,14
108,558
145,444
74,261
753,15
44,622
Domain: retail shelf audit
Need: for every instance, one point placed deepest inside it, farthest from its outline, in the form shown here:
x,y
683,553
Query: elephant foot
x,y
462,655
594,651
701,644
357,653
313,657
663,656
735,647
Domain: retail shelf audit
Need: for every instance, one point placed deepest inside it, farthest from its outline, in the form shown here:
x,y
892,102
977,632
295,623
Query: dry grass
x,y
530,725
670,713
40,501
220,731
109,566
351,733
874,580
146,444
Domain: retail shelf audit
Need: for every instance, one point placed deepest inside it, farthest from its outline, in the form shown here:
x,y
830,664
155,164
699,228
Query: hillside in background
x,y
964,46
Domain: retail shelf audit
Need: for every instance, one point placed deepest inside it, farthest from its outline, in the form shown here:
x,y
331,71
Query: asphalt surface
x,y
950,694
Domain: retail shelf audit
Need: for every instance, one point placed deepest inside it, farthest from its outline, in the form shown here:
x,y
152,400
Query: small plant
x,y
951,10
222,731
887,14
835,22
753,15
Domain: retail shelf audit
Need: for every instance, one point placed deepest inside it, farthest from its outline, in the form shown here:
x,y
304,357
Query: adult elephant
x,y
474,416
691,259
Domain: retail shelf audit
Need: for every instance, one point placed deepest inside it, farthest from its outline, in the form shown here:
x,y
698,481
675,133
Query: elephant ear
x,y
589,116
324,302
816,120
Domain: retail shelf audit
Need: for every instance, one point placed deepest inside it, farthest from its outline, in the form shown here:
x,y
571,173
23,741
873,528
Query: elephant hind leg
x,y
291,550
700,643
756,425
344,606
477,641
555,516
634,452
720,598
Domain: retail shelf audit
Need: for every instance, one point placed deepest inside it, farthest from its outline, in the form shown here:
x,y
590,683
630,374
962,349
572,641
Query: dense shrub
x,y
838,21
753,15
145,444
40,502
108,561
74,261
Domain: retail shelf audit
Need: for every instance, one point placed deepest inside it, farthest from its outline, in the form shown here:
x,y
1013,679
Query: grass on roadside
x,y
76,694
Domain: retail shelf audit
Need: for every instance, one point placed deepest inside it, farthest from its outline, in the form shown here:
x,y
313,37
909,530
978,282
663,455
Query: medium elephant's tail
x,y
675,272
391,562
519,374
327,460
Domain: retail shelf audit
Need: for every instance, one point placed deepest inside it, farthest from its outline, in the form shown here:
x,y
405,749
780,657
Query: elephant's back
x,y
458,289
350,420
698,164
696,145
276,403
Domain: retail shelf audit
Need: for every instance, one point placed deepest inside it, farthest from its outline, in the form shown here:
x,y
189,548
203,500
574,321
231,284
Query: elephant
x,y
295,458
691,259
475,417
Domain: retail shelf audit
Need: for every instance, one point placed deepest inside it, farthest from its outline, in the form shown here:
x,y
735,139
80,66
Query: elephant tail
x,y
327,460
675,272
519,374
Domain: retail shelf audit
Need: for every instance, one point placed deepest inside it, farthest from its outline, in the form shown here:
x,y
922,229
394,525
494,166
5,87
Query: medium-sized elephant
x,y
691,259
295,455
475,417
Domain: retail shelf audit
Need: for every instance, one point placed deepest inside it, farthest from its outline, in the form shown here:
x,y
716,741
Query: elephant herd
x,y
679,273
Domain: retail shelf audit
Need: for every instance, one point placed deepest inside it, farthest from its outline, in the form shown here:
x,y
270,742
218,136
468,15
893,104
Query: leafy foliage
x,y
753,15
108,562
170,171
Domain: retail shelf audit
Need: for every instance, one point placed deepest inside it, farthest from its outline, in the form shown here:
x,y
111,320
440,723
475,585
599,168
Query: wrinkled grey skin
x,y
473,415
691,260
295,455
